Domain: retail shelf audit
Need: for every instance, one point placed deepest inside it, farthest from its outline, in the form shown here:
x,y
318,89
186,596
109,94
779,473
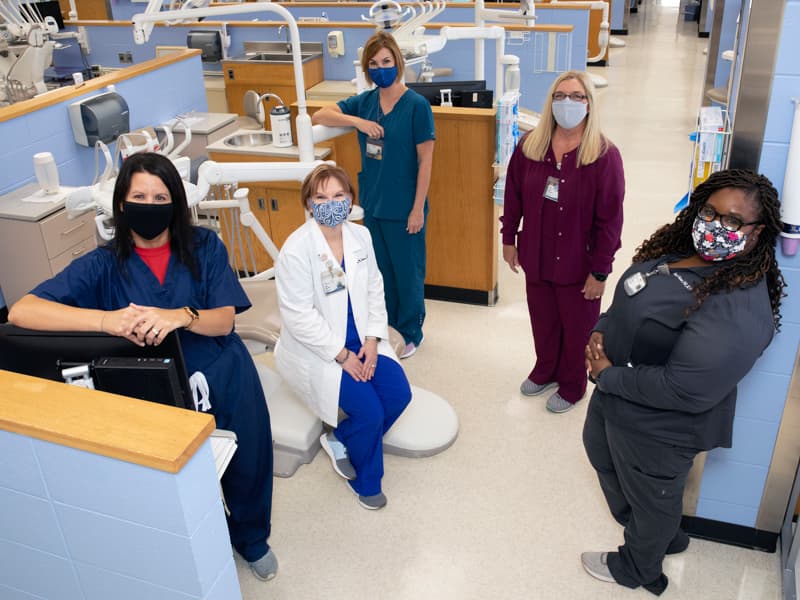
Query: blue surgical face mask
x,y
331,213
383,76
568,113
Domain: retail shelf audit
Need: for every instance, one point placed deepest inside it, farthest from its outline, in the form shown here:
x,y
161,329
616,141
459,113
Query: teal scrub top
x,y
386,187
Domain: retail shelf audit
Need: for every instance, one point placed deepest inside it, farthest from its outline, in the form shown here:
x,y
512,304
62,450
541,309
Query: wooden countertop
x,y
144,433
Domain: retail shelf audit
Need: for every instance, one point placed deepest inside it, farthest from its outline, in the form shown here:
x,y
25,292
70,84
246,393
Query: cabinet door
x,y
286,211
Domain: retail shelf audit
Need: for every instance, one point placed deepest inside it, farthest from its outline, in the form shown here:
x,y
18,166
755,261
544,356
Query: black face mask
x,y
147,220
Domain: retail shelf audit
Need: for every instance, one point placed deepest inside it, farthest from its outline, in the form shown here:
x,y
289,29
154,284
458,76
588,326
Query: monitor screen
x,y
463,93
47,8
156,373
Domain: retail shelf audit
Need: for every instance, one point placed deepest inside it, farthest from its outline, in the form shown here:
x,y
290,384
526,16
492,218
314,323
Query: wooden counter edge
x,y
135,431
324,25
98,83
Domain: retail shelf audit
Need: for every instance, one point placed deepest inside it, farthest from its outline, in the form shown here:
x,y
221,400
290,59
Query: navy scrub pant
x,y
372,407
643,481
401,259
561,321
247,482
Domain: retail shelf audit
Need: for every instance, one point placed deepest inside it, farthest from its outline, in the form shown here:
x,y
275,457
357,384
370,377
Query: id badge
x,y
374,148
332,278
551,189
634,284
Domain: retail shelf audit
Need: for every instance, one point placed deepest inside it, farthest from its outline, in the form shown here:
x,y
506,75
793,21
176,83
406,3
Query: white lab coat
x,y
314,324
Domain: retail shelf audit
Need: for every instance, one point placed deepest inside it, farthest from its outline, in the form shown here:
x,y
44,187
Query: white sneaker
x,y
411,349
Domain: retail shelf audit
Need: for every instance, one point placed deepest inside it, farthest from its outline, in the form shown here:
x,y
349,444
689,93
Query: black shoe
x,y
679,543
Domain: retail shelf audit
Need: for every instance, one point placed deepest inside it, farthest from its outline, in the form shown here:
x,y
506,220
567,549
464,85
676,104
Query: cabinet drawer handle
x,y
74,229
274,203
261,204
79,252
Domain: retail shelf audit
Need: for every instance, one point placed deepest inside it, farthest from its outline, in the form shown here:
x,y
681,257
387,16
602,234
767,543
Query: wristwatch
x,y
372,337
193,314
600,276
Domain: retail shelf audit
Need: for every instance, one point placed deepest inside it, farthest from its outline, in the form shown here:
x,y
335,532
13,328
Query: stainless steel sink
x,y
244,140
276,52
279,57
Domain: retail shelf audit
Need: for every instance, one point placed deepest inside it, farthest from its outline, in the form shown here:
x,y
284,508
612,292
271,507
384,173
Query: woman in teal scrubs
x,y
396,138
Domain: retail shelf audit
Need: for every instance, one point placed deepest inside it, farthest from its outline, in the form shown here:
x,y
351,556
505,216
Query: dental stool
x,y
429,424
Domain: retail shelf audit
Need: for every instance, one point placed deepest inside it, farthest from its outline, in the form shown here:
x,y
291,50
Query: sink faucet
x,y
288,43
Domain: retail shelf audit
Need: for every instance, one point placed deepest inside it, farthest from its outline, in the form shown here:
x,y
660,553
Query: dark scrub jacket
x,y
675,374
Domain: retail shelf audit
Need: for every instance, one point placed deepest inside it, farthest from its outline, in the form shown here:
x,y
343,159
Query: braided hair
x,y
744,271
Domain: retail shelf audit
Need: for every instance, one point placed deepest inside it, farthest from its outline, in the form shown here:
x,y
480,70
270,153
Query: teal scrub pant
x,y
401,259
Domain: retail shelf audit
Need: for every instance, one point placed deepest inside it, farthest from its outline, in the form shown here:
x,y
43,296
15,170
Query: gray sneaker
x,y
374,502
529,388
596,565
338,455
557,404
266,567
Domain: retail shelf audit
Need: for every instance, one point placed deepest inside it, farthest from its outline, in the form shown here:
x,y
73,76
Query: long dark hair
x,y
180,228
743,271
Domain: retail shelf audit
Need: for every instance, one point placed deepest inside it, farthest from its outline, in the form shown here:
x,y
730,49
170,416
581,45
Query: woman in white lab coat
x,y
333,350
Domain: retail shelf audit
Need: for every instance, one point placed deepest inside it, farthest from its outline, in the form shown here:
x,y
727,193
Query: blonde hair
x,y
382,39
593,143
317,178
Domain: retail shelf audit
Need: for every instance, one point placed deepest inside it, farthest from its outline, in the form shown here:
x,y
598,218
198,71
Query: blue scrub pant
x,y
247,482
401,259
372,407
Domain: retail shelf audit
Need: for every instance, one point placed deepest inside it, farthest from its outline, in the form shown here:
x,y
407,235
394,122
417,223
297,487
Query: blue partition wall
x,y
733,480
152,98
570,50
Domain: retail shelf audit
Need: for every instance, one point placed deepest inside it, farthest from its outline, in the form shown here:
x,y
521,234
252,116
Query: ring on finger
x,y
156,332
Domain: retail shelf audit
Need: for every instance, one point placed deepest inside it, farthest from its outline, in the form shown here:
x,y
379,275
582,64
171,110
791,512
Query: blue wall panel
x,y
731,490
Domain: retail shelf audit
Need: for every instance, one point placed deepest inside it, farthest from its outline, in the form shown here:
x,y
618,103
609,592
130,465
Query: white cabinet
x,y
37,240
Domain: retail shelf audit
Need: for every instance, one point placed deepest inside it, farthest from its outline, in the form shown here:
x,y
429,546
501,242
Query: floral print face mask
x,y
715,243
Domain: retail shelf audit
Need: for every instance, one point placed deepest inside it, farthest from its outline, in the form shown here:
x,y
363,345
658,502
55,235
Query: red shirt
x,y
157,259
562,242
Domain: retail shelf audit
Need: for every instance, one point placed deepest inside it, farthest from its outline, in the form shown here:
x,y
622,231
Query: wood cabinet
x,y
37,240
262,77
463,227
276,205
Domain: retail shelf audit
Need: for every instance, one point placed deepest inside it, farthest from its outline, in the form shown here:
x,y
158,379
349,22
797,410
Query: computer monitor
x,y
48,8
463,93
155,373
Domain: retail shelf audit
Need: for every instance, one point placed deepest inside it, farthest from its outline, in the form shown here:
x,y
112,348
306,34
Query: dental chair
x,y
428,426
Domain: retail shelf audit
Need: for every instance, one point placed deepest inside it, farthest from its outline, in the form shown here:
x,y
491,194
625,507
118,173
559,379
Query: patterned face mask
x,y
332,212
713,242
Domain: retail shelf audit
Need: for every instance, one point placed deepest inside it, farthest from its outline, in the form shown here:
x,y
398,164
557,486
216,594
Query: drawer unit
x,y
37,240
59,232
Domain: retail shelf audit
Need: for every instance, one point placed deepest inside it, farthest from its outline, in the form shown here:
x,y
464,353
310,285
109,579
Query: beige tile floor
x,y
507,510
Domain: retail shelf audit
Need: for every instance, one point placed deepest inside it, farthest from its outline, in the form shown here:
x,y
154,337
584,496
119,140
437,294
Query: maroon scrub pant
x,y
561,320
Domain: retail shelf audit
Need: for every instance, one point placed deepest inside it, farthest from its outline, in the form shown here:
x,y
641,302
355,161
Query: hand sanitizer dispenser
x,y
335,43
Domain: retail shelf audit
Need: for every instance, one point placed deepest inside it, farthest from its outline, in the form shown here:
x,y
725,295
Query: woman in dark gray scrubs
x,y
689,319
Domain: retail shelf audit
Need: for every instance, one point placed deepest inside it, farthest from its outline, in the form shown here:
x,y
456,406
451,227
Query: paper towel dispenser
x,y
103,117
208,42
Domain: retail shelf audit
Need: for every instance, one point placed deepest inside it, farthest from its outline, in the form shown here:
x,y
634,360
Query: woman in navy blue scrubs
x,y
161,274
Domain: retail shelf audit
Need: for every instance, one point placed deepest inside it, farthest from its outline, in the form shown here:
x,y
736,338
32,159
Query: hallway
x,y
506,512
